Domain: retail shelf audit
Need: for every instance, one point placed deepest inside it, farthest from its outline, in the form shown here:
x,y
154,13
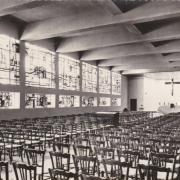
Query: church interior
x,y
89,90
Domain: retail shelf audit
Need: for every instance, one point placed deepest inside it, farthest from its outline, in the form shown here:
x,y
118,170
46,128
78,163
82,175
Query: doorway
x,y
133,104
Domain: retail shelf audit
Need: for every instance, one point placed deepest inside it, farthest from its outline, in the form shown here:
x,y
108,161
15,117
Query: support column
x,y
98,99
80,82
57,79
22,74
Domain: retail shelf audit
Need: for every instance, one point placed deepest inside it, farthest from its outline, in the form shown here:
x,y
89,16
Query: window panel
x,y
116,83
116,101
89,101
105,101
89,77
9,60
69,73
36,100
40,67
69,101
104,81
9,100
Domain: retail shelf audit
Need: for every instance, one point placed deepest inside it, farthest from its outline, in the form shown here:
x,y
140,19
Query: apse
x,y
161,89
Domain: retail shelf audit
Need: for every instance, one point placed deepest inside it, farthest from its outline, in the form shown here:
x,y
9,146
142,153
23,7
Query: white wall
x,y
136,90
157,93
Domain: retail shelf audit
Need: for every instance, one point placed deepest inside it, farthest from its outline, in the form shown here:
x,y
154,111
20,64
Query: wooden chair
x,y
86,165
10,147
116,169
152,172
164,160
60,160
36,157
4,166
24,172
57,174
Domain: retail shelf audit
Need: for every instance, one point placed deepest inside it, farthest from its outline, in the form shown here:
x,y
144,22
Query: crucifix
x,y
172,84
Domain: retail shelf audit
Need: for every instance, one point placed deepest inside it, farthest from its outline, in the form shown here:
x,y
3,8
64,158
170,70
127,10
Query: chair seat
x,y
27,142
46,139
9,146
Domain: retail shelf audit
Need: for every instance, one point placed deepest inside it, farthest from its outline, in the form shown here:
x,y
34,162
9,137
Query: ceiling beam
x,y
120,36
130,50
143,66
118,51
144,71
89,20
116,36
10,7
173,57
144,59
167,32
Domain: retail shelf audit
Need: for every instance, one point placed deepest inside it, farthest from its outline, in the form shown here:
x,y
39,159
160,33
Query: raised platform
x,y
168,109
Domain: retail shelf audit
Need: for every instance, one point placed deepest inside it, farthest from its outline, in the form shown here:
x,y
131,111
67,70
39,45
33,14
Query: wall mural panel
x,y
116,83
69,101
69,73
36,100
89,78
9,60
40,67
89,101
9,100
116,102
104,101
104,81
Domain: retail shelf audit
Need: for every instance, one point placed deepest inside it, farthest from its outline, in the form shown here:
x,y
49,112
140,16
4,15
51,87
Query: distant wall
x,y
136,90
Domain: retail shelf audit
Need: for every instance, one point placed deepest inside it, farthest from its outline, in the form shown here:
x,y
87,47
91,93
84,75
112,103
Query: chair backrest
x,y
61,147
116,169
104,153
24,172
163,160
36,157
56,174
4,165
152,172
86,165
132,157
82,141
82,150
60,160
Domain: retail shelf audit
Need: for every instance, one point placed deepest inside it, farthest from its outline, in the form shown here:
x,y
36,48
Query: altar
x,y
169,109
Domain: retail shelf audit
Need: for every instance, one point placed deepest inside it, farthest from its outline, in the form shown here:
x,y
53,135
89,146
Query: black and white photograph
x,y
89,89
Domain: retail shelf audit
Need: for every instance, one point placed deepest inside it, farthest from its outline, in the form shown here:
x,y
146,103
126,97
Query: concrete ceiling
x,y
124,35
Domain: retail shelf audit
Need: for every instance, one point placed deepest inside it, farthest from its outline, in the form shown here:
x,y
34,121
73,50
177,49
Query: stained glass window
x,y
69,73
69,101
105,101
89,77
40,67
89,101
116,83
9,100
104,81
9,60
116,102
37,100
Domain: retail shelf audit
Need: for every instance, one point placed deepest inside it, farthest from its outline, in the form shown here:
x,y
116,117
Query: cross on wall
x,y
172,83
